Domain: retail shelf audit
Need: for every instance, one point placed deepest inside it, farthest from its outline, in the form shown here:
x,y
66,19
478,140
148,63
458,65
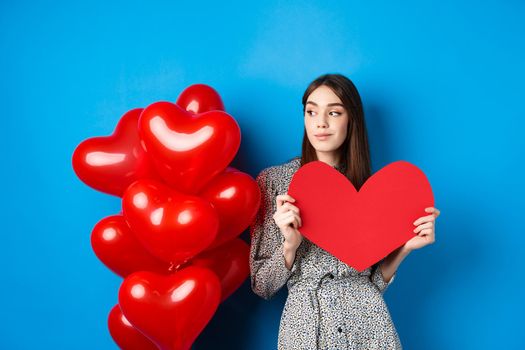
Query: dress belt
x,y
312,287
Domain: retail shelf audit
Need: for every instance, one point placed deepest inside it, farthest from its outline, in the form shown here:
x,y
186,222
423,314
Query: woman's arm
x,y
390,264
268,269
289,255
426,235
384,271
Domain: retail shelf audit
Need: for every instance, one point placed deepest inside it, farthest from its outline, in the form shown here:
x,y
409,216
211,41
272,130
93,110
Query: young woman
x,y
330,305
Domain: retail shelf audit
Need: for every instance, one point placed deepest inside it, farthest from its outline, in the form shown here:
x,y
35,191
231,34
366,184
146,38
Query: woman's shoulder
x,y
277,169
280,174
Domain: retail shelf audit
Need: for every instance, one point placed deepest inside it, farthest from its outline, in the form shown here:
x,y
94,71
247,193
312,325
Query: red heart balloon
x,y
360,228
118,248
124,334
236,198
171,310
200,98
229,262
188,149
111,163
171,225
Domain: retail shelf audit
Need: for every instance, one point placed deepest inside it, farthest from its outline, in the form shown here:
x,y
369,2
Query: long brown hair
x,y
355,151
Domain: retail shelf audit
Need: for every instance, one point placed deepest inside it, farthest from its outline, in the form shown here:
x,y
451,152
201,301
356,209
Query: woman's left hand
x,y
425,230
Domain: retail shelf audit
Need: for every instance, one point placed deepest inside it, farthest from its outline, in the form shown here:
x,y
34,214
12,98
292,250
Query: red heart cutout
x,y
188,149
229,262
124,334
111,163
118,248
200,98
236,198
171,310
172,226
360,228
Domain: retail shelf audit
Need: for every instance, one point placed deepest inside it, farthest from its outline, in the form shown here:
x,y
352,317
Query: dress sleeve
x,y
377,277
268,271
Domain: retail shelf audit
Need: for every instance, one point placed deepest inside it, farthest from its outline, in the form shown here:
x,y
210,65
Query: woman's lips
x,y
322,137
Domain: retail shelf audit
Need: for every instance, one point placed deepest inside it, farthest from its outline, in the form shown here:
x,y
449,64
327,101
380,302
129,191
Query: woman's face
x,y
325,114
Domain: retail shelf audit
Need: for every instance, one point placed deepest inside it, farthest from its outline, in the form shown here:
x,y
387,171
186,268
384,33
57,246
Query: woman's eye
x,y
311,112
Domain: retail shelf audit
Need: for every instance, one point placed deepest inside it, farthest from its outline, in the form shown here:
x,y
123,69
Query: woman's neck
x,y
333,160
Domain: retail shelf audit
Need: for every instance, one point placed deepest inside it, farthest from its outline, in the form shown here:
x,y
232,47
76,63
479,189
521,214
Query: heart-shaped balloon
x,y
111,163
360,228
118,248
124,334
229,262
200,98
171,310
171,225
236,198
188,149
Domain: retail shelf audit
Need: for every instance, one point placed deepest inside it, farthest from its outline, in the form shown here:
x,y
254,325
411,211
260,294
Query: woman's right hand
x,y
288,220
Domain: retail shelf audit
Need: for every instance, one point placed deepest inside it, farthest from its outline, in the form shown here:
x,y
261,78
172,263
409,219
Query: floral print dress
x,y
330,305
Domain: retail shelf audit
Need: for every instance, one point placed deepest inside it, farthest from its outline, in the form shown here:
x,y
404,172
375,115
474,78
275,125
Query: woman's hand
x,y
288,220
425,230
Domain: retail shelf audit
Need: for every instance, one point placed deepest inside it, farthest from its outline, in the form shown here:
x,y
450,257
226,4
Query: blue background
x,y
442,84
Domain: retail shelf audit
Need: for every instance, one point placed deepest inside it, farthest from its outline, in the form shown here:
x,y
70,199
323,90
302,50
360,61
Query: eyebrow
x,y
330,104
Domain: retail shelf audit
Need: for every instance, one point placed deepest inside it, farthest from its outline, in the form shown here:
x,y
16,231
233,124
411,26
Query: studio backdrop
x,y
442,87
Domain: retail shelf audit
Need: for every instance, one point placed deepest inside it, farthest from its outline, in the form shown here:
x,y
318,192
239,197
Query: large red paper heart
x,y
170,310
236,198
188,149
171,225
360,228
111,163
118,248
